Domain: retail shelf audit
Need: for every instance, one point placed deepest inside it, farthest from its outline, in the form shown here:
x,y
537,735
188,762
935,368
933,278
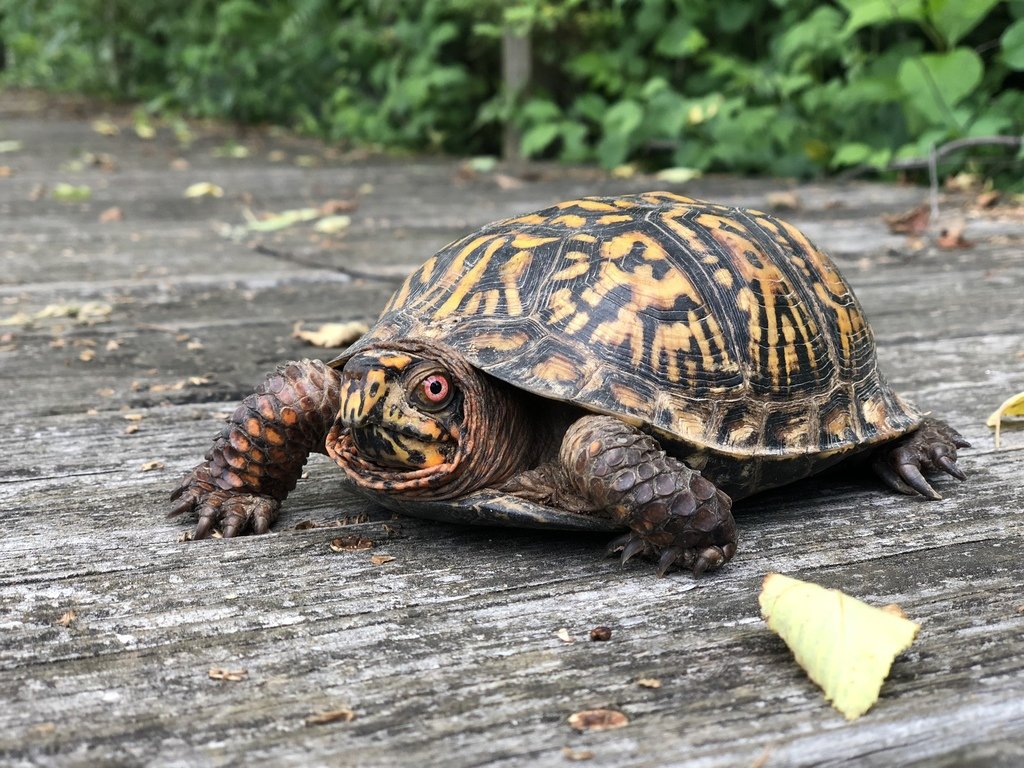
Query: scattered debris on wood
x,y
342,714
351,543
228,675
598,720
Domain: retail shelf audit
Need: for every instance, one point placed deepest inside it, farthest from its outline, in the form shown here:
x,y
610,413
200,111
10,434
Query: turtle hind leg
x,y
674,514
930,448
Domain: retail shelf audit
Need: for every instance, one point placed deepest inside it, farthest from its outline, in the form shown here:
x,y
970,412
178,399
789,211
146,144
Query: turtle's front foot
x,y
674,515
233,513
931,448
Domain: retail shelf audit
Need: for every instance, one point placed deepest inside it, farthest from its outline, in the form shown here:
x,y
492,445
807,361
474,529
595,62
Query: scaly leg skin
x,y
258,457
673,513
930,448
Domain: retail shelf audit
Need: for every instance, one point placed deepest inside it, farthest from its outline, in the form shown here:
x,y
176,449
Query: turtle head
x,y
402,410
417,419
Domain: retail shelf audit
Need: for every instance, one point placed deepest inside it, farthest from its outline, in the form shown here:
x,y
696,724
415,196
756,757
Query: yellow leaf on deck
x,y
1012,408
846,646
331,334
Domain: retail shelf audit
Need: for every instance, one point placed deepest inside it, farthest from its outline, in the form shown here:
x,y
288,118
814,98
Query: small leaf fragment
x,y
228,675
846,646
67,618
598,720
332,224
381,559
331,334
1011,408
71,193
577,755
275,222
204,189
10,145
649,682
351,543
343,715
563,635
678,175
149,466
912,222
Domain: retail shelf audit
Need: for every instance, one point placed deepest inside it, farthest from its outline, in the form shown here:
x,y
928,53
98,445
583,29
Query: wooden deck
x,y
450,652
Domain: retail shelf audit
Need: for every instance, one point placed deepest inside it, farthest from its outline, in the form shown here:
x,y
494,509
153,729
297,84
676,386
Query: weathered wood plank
x,y
449,653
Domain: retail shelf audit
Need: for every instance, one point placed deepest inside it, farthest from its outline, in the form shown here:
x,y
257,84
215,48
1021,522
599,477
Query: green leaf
x,y
538,138
868,13
846,646
623,118
934,83
955,18
1013,45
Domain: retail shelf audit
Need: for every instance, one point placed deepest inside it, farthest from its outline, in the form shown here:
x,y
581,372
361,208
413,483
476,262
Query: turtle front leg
x,y
930,448
672,512
258,457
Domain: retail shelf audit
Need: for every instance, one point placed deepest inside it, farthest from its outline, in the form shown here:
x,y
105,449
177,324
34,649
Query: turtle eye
x,y
435,391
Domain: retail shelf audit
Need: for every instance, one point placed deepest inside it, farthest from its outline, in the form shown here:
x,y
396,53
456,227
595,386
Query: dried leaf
x,y
10,145
111,214
987,199
228,675
783,201
343,714
624,171
87,355
331,334
105,127
649,682
381,559
332,224
564,636
67,618
1011,408
845,646
351,543
149,466
504,181
576,755
912,222
952,237
334,207
204,189
598,720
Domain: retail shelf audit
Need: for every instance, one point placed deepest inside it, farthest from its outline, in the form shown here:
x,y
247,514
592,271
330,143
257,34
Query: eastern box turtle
x,y
632,363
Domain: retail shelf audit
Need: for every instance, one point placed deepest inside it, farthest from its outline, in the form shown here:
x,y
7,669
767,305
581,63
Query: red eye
x,y
435,388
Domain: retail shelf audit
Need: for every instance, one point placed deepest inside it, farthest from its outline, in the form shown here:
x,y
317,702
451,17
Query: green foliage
x,y
793,87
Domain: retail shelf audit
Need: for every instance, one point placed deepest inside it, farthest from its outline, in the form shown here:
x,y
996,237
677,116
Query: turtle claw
x,y
911,475
618,543
668,557
950,467
234,512
932,448
633,547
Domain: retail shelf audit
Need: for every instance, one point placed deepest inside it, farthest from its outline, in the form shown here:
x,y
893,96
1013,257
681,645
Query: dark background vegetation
x,y
791,87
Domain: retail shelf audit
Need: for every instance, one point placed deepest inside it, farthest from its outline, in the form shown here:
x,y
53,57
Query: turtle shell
x,y
718,327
